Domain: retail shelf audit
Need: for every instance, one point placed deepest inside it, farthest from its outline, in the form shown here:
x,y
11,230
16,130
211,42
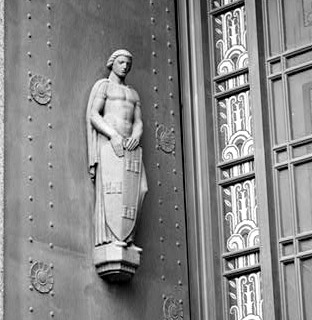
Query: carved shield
x,y
121,180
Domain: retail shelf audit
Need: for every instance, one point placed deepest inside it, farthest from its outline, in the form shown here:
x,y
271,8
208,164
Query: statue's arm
x,y
137,123
104,128
137,128
97,120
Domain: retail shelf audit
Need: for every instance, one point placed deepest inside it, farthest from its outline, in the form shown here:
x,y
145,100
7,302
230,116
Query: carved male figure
x,y
114,125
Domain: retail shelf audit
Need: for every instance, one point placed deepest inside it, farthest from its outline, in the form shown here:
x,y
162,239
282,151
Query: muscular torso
x,y
119,108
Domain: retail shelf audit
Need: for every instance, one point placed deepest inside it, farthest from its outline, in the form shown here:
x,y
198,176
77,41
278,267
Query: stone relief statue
x,y
114,130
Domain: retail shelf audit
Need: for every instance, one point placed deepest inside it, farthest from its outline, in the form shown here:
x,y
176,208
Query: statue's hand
x,y
117,144
132,143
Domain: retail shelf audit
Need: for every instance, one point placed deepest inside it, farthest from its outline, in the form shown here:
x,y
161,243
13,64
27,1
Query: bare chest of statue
x,y
119,107
121,95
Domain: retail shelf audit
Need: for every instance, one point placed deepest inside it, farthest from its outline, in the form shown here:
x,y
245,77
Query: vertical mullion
x,y
282,289
258,94
298,262
295,232
197,267
281,25
214,115
286,104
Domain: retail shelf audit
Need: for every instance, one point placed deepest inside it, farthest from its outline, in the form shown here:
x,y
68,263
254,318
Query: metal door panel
x,y
49,194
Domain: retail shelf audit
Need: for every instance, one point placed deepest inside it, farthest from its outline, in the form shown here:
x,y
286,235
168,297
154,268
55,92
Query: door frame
x,y
195,120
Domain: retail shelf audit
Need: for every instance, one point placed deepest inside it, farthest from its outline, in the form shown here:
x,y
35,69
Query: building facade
x,y
226,91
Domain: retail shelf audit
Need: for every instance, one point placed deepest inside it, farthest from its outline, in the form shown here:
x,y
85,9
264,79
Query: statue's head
x,y
120,62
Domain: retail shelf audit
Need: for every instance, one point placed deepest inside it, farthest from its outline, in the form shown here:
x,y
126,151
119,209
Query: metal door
x,y
55,51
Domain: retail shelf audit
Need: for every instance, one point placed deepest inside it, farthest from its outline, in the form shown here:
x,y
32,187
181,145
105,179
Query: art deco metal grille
x,y
238,214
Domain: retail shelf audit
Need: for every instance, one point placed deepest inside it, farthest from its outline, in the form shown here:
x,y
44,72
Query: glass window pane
x,y
298,22
273,22
285,209
303,192
300,100
302,149
290,291
305,245
279,116
306,274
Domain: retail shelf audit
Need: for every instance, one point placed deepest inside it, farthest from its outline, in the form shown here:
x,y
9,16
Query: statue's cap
x,y
117,53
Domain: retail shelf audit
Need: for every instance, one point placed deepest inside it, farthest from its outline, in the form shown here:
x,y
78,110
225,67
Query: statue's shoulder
x,y
100,87
101,83
134,93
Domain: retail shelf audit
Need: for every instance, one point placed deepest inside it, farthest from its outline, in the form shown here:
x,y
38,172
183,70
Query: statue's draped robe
x,y
104,162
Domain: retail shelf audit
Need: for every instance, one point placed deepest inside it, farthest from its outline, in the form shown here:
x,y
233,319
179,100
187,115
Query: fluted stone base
x,y
116,263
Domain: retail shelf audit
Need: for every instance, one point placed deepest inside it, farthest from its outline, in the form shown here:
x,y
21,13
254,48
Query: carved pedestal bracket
x,y
116,263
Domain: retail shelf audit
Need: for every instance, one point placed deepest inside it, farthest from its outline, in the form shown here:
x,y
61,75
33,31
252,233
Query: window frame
x,y
199,159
